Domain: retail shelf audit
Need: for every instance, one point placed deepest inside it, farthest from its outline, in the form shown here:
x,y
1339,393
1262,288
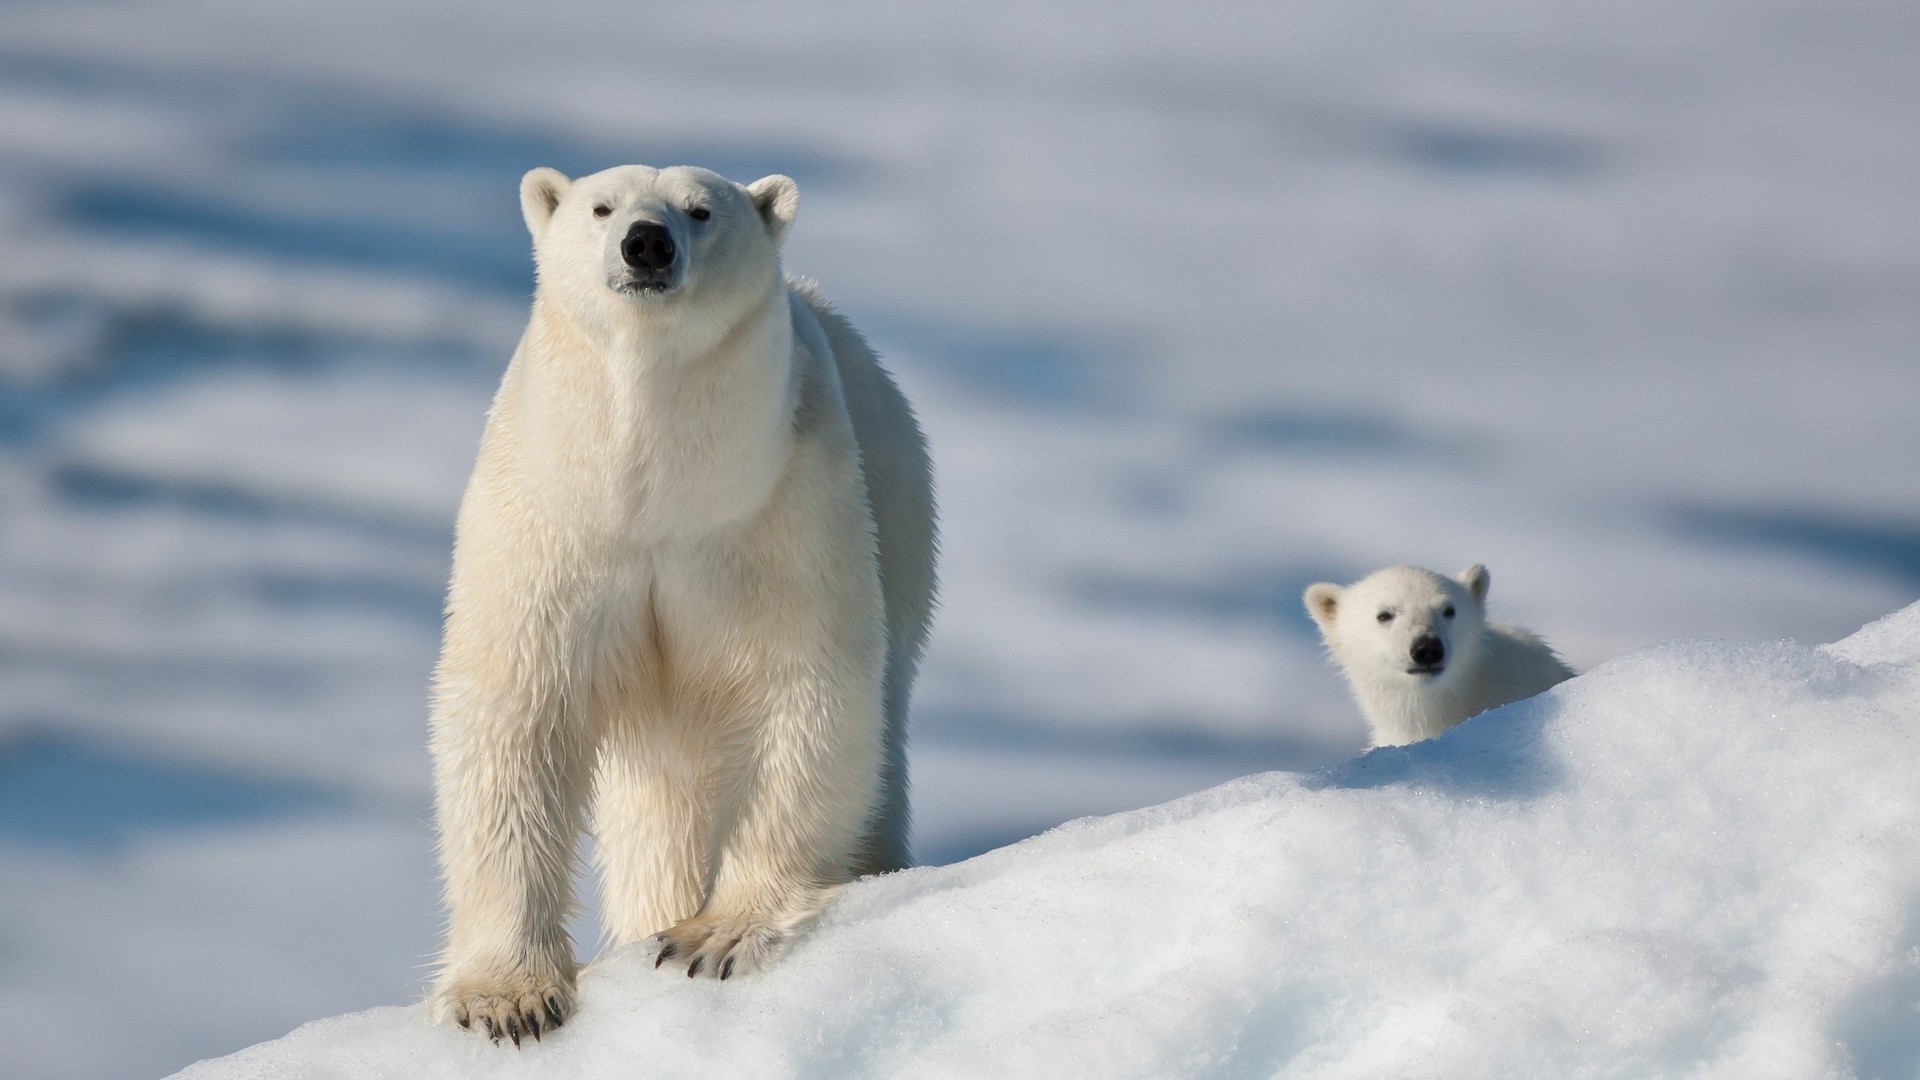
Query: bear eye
x,y
1449,612
699,213
602,210
1385,616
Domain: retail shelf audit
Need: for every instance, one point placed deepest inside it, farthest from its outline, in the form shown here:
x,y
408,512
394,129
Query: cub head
x,y
653,239
1403,624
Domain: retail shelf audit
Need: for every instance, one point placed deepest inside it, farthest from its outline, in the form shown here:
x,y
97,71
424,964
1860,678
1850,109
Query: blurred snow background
x,y
1199,304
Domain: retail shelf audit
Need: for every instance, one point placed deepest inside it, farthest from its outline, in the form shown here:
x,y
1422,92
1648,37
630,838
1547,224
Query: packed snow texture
x,y
1702,859
1199,303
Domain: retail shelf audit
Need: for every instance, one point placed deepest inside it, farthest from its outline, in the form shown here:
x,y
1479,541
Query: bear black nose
x,y
1428,651
648,246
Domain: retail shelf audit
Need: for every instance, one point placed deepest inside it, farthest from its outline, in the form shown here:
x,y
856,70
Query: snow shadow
x,y
1489,152
67,794
1888,545
479,255
376,135
403,181
167,674
92,486
1330,433
395,597
1268,595
307,173
1048,369
1877,1023
1087,770
1171,741
338,128
114,350
1496,755
951,848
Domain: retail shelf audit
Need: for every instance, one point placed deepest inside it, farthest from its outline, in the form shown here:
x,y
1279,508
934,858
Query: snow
x,y
1199,303
1699,859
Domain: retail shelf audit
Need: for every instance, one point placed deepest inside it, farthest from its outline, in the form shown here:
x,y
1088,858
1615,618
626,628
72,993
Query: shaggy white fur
x,y
1419,653
692,579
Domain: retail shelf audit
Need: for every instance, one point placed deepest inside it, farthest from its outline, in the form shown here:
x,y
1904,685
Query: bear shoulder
x,y
1519,660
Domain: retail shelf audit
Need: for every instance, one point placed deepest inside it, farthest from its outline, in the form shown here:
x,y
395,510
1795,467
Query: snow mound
x,y
1702,859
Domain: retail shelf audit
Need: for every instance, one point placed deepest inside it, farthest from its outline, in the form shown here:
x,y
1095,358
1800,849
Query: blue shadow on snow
x,y
1496,755
1345,434
1884,545
1270,595
486,258
89,486
131,347
66,794
1486,152
1048,369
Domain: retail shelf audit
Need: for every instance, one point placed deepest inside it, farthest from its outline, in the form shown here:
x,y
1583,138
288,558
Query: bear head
x,y
1403,625
636,240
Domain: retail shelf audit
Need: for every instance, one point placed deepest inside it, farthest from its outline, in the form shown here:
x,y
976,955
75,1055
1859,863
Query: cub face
x,y
1403,624
635,237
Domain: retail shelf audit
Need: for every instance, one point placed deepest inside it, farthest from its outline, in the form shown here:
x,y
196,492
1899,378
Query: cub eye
x,y
602,211
699,213
1449,612
1385,616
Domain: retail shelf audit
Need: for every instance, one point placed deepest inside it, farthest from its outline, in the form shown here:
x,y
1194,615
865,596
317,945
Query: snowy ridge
x,y
1701,859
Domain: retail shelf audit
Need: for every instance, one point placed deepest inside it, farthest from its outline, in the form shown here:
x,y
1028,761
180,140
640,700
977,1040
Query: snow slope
x,y
1702,859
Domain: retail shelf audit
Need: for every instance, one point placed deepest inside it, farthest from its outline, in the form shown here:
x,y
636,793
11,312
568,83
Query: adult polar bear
x,y
692,578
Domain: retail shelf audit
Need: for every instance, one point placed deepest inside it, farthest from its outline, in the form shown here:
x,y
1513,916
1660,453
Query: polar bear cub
x,y
1419,653
692,577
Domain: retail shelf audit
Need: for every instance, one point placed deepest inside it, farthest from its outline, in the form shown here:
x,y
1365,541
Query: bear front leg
x,y
509,796
806,792
652,826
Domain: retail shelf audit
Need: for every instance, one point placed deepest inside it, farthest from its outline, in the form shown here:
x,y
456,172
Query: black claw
x,y
492,1032
533,1024
513,1030
464,1021
726,970
666,954
553,1011
694,968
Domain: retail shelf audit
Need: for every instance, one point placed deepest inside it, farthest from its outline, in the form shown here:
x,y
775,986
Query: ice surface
x,y
1702,859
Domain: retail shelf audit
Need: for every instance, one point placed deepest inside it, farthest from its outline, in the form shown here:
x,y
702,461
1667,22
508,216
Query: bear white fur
x,y
692,577
1419,653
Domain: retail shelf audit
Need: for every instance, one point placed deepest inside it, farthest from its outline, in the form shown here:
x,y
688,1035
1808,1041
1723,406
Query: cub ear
x,y
776,198
1476,579
540,193
1323,603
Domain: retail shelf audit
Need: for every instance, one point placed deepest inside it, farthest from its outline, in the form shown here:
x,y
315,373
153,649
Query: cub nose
x,y
648,246
1428,651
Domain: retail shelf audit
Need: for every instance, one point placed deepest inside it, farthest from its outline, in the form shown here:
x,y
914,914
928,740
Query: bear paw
x,y
511,1008
720,947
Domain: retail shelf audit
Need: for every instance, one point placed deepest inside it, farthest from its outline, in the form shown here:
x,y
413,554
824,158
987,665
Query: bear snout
x,y
648,247
1428,653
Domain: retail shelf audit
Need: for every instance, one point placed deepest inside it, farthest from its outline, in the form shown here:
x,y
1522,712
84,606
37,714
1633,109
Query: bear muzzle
x,y
649,254
1429,655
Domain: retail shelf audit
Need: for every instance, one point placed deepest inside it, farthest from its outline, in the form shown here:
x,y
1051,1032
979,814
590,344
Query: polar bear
x,y
692,576
1419,653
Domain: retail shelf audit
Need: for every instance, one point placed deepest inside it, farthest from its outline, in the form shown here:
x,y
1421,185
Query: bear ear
x,y
540,193
776,198
1323,603
1476,579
